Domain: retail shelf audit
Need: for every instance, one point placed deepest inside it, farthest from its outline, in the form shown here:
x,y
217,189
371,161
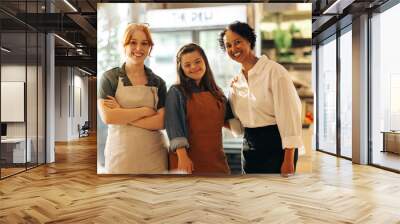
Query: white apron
x,y
133,150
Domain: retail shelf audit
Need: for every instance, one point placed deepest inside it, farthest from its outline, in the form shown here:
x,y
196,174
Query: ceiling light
x,y
80,51
84,71
331,8
70,5
337,7
5,49
64,40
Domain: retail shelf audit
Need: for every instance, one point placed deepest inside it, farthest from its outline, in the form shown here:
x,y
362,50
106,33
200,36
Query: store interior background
x,y
58,77
59,72
283,30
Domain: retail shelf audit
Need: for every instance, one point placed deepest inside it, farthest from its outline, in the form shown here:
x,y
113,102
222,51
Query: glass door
x,y
346,94
385,89
15,155
327,96
22,63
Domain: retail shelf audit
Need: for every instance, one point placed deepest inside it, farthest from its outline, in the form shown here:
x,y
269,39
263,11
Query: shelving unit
x,y
296,42
296,66
286,39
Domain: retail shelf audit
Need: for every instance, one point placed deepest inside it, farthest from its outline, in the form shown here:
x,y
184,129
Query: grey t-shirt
x,y
109,83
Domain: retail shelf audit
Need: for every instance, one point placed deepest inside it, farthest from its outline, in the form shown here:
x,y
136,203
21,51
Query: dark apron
x,y
205,119
262,150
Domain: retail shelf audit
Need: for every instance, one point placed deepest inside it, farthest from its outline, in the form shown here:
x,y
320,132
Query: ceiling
x,y
76,25
330,15
75,21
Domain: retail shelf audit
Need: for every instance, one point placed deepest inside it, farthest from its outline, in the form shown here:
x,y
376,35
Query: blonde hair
x,y
132,28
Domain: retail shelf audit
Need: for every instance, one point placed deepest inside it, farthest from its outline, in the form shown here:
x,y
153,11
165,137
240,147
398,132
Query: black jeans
x,y
262,150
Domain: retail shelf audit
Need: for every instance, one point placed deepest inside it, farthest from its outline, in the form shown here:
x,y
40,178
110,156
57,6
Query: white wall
x,y
81,104
61,103
14,73
71,93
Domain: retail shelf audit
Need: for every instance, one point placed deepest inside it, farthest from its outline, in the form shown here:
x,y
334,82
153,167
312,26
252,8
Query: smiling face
x,y
138,47
193,65
237,47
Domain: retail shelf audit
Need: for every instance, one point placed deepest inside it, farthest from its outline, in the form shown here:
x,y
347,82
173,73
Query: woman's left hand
x,y
111,103
287,168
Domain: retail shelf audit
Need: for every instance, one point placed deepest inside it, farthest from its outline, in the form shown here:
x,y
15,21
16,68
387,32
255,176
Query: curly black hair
x,y
242,29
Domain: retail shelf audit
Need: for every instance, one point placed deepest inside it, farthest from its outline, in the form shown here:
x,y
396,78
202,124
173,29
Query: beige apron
x,y
133,150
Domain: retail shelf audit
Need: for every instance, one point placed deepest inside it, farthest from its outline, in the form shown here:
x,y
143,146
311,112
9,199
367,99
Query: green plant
x,y
282,40
294,31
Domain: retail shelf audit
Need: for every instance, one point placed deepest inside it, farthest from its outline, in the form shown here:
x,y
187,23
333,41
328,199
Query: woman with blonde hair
x,y
131,102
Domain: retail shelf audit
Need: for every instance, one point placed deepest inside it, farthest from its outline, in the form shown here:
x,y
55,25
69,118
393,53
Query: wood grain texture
x,y
70,191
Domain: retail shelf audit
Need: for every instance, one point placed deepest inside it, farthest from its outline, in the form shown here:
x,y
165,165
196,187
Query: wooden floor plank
x,y
70,191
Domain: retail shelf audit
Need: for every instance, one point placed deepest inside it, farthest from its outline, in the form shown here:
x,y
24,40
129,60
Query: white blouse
x,y
268,98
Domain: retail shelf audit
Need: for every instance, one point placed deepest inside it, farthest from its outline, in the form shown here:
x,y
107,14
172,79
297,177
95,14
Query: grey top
x,y
109,82
175,117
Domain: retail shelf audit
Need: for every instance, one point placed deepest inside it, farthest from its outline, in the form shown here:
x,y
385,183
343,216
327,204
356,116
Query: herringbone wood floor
x,y
70,191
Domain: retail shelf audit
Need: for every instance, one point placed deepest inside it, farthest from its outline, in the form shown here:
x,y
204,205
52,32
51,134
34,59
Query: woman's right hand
x,y
184,162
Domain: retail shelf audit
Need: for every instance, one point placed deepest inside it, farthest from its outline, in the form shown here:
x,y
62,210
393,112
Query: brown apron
x,y
205,119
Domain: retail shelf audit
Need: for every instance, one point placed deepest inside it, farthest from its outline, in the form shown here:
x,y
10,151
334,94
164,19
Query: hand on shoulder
x,y
234,80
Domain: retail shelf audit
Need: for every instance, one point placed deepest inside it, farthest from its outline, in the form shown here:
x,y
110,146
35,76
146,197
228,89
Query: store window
x,y
327,96
346,93
385,89
223,68
164,52
110,29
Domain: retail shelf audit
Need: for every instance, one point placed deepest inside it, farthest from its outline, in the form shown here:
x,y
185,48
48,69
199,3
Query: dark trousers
x,y
262,150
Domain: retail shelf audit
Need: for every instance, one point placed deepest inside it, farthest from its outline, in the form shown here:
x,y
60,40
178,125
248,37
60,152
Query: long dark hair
x,y
207,82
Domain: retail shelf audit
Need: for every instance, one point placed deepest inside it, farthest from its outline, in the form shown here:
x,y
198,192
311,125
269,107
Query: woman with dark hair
x,y
195,114
265,100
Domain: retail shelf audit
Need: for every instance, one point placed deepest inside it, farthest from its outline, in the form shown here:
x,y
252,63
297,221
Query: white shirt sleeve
x,y
237,129
287,108
235,125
